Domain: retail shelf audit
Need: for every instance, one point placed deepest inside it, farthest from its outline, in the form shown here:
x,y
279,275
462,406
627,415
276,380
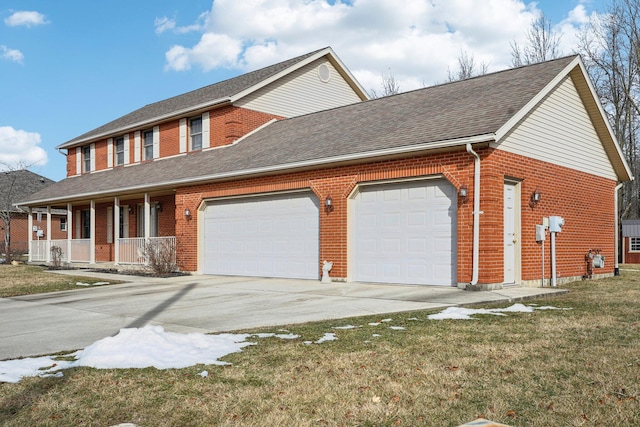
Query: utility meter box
x,y
555,224
541,233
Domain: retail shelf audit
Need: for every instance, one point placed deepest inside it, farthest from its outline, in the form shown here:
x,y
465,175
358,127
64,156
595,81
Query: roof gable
x,y
16,185
221,93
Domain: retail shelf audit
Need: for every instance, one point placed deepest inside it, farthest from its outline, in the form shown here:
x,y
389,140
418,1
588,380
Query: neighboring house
x,y
273,172
14,186
631,241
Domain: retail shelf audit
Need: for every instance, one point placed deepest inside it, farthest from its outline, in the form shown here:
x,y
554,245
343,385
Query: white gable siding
x,y
302,92
559,131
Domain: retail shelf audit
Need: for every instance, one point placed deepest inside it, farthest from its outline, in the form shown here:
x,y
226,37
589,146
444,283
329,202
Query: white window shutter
x,y
109,224
78,160
110,152
126,149
156,142
206,143
125,222
183,135
93,157
136,147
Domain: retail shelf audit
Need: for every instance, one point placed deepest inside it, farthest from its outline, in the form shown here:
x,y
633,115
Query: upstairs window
x,y
119,143
195,133
147,148
86,158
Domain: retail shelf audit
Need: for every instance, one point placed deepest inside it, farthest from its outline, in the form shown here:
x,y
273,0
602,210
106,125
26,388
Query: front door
x,y
510,233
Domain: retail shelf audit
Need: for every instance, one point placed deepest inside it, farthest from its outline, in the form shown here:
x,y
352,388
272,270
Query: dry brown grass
x,y
548,368
29,279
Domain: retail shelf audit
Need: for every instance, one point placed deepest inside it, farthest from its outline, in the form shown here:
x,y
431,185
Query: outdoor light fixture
x,y
463,191
328,204
187,213
159,206
535,198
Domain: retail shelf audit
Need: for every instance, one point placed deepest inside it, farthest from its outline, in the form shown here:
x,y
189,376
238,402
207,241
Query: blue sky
x,y
69,66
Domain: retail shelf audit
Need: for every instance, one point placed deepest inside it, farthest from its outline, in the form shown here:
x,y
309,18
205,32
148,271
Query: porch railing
x,y
135,250
80,250
132,250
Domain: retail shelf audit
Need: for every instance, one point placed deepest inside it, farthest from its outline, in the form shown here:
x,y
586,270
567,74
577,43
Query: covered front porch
x,y
127,230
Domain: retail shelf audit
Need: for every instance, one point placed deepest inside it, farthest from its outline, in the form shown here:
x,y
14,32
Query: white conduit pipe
x,y
476,215
616,269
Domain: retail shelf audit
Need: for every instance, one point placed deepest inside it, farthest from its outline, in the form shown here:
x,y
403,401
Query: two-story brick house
x,y
272,172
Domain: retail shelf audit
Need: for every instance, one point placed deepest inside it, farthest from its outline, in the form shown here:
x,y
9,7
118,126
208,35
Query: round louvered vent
x,y
324,73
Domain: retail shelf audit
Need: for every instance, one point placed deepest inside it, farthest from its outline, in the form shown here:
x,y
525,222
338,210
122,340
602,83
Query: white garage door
x,y
268,236
405,233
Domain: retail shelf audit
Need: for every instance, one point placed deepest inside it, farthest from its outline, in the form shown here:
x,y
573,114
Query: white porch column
x,y
92,232
48,256
69,230
147,224
30,233
116,230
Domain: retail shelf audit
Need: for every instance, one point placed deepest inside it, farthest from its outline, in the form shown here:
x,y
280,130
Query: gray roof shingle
x,y
463,109
186,101
16,185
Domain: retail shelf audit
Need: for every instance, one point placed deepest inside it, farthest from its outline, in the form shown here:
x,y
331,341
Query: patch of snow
x,y
374,324
413,318
461,313
375,335
149,346
397,328
345,327
329,336
91,284
386,320
204,374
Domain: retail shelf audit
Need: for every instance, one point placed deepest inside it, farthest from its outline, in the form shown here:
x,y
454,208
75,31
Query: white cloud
x,y
26,18
417,41
11,54
164,24
19,147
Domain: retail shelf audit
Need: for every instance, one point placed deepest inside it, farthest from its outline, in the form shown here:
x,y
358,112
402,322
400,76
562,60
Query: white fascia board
x,y
324,52
603,114
428,146
155,120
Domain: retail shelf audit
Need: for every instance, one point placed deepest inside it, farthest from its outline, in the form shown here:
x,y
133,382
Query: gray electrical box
x,y
555,224
541,233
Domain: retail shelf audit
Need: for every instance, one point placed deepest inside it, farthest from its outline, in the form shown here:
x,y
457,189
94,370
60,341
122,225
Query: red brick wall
x,y
226,125
20,230
585,201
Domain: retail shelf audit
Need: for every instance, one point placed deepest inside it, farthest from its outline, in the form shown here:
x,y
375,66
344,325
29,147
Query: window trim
x,y
146,146
634,241
63,223
196,134
86,158
117,161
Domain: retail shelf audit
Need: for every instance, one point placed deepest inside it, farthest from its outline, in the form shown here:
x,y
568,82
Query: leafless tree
x,y
543,44
389,86
466,68
8,197
610,46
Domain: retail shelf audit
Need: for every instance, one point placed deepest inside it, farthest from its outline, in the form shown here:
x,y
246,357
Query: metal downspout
x,y
476,215
616,267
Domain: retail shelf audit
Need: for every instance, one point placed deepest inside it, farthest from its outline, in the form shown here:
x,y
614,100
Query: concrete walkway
x,y
62,321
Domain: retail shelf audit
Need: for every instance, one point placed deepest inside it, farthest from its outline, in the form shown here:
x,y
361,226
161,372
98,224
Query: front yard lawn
x,y
574,367
30,279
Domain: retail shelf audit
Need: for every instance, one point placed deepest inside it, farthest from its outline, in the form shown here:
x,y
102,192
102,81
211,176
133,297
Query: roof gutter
x,y
476,215
278,168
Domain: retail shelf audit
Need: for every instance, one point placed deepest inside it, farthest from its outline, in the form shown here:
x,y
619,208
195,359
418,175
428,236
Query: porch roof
x,y
446,115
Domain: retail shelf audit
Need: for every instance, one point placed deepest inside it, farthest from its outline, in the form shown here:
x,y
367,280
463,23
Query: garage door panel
x,y
271,236
405,233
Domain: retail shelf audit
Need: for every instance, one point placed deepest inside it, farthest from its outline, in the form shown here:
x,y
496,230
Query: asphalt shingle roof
x,y
16,185
467,108
193,99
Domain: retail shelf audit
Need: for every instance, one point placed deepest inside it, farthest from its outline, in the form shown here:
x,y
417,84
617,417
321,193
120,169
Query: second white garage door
x,y
405,233
267,236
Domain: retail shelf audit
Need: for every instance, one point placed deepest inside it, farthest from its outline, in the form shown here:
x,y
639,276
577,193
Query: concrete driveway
x,y
62,321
